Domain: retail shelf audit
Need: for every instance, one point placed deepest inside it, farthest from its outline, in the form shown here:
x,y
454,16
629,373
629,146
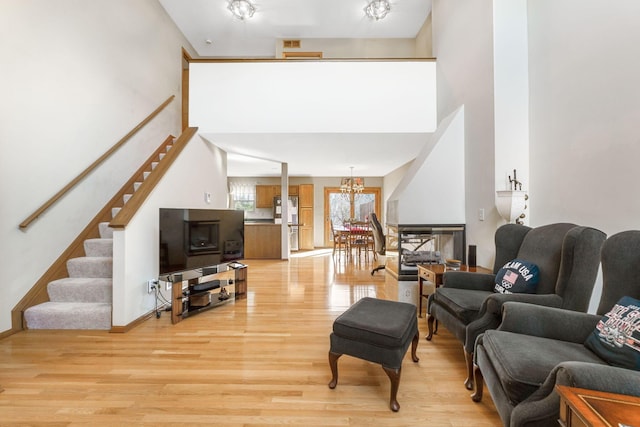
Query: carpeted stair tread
x,y
98,247
81,289
69,315
90,267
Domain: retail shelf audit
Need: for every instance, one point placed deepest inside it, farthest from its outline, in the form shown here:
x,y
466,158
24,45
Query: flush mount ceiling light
x,y
377,9
241,9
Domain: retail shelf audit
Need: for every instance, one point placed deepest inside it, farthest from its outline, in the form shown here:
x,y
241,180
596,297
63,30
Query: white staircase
x,y
83,300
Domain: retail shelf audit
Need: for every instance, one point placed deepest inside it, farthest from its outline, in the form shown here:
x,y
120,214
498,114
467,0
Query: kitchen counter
x,y
258,221
262,240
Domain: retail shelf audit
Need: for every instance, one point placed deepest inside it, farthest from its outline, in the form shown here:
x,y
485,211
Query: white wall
x,y
273,97
585,110
77,77
511,94
424,40
433,189
463,45
201,167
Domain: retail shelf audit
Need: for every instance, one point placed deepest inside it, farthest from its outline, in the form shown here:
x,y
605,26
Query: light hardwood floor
x,y
255,361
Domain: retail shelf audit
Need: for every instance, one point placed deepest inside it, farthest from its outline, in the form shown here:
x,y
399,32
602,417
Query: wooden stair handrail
x,y
121,220
58,270
24,224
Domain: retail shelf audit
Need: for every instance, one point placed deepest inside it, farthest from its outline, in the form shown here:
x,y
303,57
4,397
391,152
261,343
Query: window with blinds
x,y
244,196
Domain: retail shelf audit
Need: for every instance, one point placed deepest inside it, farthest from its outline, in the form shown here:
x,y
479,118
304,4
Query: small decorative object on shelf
x,y
453,264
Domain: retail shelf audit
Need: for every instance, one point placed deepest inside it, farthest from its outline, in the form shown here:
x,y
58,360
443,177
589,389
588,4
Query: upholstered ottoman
x,y
379,331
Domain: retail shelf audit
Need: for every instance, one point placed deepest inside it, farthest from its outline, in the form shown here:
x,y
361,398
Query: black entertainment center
x,y
199,256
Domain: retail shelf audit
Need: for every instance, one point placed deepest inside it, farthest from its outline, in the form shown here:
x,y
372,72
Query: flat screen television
x,y
195,238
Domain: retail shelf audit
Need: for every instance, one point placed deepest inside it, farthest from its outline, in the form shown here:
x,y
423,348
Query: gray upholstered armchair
x,y
537,347
567,257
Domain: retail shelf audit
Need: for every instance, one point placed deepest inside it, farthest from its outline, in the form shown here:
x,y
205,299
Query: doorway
x,y
340,207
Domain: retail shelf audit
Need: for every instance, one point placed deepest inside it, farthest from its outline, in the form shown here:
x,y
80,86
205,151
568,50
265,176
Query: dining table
x,y
358,236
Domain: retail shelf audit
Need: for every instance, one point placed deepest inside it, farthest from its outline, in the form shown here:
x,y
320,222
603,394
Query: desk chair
x,y
378,240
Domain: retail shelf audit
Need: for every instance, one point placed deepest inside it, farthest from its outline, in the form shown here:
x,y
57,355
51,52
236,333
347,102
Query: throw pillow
x,y
517,276
616,338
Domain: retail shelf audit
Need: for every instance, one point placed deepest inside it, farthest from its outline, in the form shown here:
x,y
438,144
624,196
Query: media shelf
x,y
200,289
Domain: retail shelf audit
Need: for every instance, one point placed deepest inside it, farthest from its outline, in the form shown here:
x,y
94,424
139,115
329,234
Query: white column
x,y
284,194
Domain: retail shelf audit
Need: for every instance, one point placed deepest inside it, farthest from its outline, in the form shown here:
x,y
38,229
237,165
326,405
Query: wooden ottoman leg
x,y
414,347
394,376
333,363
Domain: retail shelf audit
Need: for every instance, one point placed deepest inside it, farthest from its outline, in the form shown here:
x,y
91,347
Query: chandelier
x,y
351,185
377,9
241,9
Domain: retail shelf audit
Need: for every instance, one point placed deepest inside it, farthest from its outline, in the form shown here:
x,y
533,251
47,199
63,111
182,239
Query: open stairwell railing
x,y
42,209
38,293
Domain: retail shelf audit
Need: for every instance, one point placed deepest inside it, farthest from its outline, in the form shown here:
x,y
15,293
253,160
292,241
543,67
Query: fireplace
x,y
411,244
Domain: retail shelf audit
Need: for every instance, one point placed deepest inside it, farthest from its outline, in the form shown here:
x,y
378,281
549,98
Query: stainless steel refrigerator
x,y
292,219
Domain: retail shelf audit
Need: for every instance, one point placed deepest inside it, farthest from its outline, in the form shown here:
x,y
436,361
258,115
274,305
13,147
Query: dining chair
x,y
360,239
340,241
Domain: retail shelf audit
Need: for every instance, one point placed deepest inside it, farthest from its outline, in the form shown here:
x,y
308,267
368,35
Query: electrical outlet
x,y
151,285
481,214
167,286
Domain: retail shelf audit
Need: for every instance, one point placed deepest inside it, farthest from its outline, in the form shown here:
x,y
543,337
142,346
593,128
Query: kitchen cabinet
x,y
305,198
305,193
266,193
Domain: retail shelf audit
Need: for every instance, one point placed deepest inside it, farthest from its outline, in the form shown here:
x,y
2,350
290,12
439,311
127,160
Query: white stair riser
x,y
106,232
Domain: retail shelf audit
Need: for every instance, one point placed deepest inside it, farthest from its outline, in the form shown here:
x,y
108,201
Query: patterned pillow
x,y
616,338
517,276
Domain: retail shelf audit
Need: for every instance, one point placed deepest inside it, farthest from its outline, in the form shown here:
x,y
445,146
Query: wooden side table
x,y
589,408
433,273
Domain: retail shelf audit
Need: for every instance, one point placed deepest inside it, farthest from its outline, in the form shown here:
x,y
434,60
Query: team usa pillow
x,y
517,276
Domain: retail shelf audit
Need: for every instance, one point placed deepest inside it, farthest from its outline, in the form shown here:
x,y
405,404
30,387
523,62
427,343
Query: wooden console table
x,y
433,273
589,408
